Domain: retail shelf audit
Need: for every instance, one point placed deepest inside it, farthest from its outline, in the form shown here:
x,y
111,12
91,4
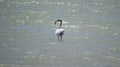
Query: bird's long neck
x,y
59,20
60,24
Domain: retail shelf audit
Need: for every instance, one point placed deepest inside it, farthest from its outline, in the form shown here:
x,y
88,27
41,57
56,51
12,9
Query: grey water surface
x,y
91,39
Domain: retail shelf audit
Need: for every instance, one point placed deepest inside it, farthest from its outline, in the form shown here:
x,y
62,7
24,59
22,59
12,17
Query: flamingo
x,y
59,32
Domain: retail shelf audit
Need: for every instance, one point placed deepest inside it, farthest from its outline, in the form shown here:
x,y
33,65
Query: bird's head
x,y
59,20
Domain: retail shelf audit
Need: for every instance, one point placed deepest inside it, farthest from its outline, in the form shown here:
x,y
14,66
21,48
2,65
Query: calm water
x,y
92,33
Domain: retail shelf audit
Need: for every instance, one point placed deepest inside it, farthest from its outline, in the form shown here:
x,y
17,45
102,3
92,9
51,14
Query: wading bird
x,y
59,32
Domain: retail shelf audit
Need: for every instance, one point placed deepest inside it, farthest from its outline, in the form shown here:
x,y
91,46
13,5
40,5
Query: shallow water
x,y
91,39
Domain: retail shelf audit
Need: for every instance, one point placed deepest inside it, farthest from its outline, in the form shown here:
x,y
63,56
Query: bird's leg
x,y
58,37
61,37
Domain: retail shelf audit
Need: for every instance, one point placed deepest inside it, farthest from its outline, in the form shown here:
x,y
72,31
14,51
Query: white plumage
x,y
59,32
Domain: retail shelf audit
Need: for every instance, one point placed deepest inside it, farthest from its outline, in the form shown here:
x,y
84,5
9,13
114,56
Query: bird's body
x,y
59,32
